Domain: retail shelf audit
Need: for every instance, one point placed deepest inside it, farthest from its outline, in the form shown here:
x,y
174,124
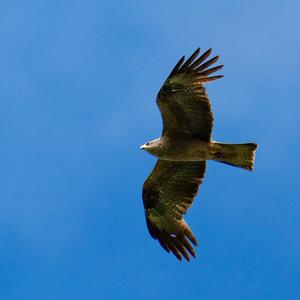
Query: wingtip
x,y
197,51
218,76
194,241
177,66
209,50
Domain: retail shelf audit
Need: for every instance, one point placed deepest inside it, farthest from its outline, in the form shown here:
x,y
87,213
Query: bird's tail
x,y
238,155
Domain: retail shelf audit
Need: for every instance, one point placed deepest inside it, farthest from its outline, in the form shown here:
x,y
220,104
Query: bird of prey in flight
x,y
182,151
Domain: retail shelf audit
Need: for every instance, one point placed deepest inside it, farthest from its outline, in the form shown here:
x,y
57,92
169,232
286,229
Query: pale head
x,y
152,146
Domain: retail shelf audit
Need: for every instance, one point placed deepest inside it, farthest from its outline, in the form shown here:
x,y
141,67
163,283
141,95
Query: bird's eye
x,y
147,144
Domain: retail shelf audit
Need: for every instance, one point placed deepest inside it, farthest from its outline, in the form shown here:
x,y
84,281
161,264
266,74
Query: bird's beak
x,y
142,147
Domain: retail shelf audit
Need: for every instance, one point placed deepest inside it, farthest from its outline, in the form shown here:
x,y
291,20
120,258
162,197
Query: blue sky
x,y
78,81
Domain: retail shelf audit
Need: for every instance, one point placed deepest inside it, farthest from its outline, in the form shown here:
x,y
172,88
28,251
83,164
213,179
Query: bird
x,y
182,151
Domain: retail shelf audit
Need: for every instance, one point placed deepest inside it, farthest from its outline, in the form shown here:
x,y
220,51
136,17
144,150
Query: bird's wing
x,y
182,100
167,194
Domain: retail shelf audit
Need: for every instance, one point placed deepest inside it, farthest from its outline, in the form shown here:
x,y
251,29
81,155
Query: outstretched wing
x,y
182,100
167,194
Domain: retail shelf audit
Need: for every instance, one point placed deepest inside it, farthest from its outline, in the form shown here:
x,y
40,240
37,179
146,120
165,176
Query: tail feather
x,y
238,155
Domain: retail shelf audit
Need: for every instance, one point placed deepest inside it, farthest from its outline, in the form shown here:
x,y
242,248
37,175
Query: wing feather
x,y
168,193
201,59
207,64
191,59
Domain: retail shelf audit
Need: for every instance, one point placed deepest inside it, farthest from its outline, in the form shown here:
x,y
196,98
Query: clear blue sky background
x,y
78,81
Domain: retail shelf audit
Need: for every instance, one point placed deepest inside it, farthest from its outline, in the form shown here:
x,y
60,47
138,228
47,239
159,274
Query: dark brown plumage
x,y
182,100
182,151
167,194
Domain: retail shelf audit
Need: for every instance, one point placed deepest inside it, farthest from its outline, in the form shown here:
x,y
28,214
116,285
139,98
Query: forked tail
x,y
238,155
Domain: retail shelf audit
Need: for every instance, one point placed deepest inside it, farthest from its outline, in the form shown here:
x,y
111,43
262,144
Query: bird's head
x,y
152,146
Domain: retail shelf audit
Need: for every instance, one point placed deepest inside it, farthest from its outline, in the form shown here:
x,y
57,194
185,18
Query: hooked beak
x,y
143,147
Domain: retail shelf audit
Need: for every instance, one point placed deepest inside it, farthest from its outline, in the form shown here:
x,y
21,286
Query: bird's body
x,y
194,149
182,152
186,149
